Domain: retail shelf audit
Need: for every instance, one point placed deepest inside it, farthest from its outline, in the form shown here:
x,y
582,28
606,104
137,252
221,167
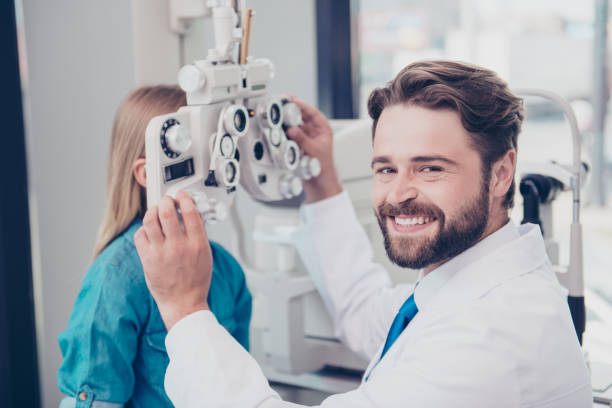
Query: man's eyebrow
x,y
422,159
380,159
417,159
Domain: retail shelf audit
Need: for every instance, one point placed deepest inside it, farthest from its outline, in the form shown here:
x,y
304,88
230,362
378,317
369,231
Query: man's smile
x,y
414,223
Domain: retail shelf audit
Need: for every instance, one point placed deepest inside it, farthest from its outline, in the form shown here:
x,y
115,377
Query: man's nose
x,y
403,189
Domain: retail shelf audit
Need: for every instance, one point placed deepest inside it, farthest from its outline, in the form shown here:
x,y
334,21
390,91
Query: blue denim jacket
x,y
114,350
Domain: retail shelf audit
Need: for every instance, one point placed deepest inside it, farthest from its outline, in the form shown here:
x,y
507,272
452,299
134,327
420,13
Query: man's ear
x,y
502,174
138,168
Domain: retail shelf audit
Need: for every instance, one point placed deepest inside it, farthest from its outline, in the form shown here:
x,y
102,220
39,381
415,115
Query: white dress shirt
x,y
493,328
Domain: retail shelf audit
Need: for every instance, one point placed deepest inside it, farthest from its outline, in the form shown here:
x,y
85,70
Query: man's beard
x,y
454,236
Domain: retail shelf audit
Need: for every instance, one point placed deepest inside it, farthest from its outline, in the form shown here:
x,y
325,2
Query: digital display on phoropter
x,y
178,170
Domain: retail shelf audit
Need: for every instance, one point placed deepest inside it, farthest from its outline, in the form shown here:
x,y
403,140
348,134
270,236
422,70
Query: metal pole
x,y
573,279
600,97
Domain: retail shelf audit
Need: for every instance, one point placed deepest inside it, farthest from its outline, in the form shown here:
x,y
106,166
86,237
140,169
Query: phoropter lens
x,y
227,146
230,172
236,120
291,156
239,120
258,150
275,114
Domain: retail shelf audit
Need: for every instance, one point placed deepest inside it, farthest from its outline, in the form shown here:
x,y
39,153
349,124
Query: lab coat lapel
x,y
375,361
508,261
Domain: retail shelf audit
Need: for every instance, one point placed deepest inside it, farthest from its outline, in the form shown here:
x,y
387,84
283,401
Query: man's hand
x,y
177,260
315,137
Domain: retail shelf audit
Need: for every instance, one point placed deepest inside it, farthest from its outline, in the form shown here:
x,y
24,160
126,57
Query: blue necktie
x,y
404,316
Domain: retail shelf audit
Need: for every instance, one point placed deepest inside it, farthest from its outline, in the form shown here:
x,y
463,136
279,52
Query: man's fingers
x,y
192,220
314,121
150,222
296,134
302,139
169,217
308,128
141,241
308,112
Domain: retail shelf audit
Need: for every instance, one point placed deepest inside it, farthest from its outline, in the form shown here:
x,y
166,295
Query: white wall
x,y
79,62
283,31
83,58
156,49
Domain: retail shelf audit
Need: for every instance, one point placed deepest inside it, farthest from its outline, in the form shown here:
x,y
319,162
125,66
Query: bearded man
x,y
486,325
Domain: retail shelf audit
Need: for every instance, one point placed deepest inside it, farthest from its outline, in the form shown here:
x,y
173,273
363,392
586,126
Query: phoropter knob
x,y
217,211
290,186
178,139
211,210
309,167
220,212
200,200
292,115
190,78
174,138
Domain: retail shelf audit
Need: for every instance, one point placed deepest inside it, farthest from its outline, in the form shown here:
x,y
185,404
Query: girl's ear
x,y
138,168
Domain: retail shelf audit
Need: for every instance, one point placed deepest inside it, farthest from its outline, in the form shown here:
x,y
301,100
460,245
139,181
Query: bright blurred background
x,y
548,44
79,59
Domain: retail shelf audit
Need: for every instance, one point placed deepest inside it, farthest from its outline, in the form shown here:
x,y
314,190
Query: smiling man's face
x,y
430,194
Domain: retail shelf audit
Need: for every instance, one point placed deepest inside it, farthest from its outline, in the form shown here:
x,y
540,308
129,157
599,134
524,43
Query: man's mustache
x,y
409,208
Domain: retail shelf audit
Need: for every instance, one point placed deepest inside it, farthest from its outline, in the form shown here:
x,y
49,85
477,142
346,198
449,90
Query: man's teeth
x,y
412,220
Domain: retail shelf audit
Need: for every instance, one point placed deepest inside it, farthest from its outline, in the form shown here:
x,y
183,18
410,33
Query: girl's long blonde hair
x,y
125,198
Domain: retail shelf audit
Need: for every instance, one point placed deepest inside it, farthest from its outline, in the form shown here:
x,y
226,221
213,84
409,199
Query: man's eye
x,y
385,170
431,169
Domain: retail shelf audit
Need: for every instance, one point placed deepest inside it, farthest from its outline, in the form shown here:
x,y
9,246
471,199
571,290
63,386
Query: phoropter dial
x,y
226,146
292,114
174,138
211,210
227,172
276,136
309,167
236,120
270,114
289,155
290,186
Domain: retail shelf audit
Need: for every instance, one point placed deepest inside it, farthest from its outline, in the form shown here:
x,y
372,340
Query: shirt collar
x,y
429,285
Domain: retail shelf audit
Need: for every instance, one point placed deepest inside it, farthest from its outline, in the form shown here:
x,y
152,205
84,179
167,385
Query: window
x,y
531,44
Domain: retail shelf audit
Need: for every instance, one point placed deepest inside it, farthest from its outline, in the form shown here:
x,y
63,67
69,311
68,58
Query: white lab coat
x,y
493,329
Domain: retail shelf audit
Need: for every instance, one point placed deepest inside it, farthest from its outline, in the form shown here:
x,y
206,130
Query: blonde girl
x,y
113,348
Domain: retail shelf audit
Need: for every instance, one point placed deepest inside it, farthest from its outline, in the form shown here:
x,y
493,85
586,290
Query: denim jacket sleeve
x,y
101,341
231,271
242,311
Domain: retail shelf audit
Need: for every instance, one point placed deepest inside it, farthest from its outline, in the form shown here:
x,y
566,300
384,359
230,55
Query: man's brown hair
x,y
489,111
